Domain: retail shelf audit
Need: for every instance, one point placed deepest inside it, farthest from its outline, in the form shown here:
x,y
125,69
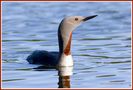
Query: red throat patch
x,y
67,50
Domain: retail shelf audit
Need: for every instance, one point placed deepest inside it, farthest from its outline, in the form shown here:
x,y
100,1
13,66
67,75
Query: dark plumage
x,y
43,57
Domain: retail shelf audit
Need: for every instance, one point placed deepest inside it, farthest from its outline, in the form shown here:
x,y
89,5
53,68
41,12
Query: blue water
x,y
101,47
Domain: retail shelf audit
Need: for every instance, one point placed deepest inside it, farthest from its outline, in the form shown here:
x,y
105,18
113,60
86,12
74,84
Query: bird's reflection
x,y
64,74
44,68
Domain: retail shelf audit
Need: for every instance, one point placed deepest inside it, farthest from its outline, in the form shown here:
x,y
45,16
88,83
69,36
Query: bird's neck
x,y
64,39
67,45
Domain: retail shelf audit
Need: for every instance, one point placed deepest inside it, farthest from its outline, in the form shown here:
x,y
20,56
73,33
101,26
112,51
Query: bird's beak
x,y
89,17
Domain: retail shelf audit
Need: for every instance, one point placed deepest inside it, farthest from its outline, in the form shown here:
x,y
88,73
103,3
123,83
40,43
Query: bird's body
x,y
63,57
43,57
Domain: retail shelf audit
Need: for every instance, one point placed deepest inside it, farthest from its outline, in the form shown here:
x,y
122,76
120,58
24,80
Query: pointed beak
x,y
89,17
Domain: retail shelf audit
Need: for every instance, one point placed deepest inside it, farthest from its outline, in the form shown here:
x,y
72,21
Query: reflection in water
x,y
43,68
64,76
64,82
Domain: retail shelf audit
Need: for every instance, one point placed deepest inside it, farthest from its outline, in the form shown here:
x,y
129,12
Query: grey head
x,y
70,23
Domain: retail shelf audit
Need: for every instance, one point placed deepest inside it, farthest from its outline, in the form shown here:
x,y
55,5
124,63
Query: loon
x,y
64,56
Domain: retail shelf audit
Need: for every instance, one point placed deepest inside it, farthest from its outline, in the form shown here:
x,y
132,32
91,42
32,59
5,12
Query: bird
x,y
64,56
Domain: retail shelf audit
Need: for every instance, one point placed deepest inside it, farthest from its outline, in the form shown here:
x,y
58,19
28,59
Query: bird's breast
x,y
66,60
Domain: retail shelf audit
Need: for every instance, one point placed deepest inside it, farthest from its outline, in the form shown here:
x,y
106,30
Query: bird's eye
x,y
76,19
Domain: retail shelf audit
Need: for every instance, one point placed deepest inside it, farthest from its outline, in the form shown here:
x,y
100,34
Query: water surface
x,y
101,47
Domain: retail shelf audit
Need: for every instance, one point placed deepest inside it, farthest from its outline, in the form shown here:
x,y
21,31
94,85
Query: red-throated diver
x,y
63,57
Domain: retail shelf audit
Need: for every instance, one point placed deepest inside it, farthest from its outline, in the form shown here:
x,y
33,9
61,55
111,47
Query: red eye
x,y
76,19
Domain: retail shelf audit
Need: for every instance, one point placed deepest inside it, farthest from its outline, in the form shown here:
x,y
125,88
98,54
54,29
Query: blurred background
x,y
101,47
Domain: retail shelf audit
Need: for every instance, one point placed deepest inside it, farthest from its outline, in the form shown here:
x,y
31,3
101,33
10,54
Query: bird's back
x,y
43,57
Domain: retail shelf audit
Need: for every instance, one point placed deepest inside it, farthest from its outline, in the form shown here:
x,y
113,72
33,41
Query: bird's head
x,y
70,23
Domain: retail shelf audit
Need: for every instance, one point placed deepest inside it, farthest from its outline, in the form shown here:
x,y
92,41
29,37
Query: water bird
x,y
64,56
